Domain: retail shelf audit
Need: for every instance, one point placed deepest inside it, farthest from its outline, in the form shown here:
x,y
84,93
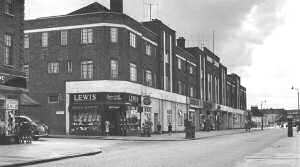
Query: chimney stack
x,y
116,6
181,42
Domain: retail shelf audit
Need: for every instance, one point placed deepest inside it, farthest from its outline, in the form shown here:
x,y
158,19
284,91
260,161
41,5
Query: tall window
x,y
179,64
8,49
53,67
179,84
132,40
148,49
114,35
148,78
133,72
192,91
8,7
68,66
26,41
87,69
64,38
114,69
26,70
45,39
86,36
191,69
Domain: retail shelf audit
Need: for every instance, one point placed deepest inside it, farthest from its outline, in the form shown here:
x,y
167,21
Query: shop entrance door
x,y
112,114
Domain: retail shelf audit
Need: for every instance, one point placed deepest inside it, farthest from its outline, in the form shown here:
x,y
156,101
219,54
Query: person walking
x,y
170,128
107,124
159,128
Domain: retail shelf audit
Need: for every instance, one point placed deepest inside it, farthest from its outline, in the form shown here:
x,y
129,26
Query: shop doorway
x,y
112,114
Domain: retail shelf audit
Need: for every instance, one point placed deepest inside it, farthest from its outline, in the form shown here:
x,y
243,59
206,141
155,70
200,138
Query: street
x,y
222,151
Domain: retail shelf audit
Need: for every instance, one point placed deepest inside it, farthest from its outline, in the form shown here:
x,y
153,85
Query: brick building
x,y
13,92
95,65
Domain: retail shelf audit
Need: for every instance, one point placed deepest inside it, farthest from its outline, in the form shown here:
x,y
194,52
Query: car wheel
x,y
35,138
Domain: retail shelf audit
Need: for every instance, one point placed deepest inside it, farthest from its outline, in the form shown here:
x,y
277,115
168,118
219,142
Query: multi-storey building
x,y
13,92
95,65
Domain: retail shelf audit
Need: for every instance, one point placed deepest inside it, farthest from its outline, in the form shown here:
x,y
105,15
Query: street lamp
x,y
262,114
293,88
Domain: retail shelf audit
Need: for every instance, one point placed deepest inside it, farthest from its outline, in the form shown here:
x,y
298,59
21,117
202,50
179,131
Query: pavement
x,y
64,147
43,151
159,137
284,153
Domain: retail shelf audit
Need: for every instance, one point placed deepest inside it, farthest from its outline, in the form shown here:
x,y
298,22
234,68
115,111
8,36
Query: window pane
x,y
26,41
7,49
64,38
87,69
114,69
133,72
44,39
114,34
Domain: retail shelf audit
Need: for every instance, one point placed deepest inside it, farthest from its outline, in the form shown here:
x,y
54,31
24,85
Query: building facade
x,y
96,65
13,92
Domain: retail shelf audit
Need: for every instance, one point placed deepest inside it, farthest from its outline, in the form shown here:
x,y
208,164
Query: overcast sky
x,y
254,38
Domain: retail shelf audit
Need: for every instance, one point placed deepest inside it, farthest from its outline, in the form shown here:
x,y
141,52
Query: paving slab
x,y
43,151
284,153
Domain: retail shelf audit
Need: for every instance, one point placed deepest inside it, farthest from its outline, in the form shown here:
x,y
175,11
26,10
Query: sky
x,y
257,39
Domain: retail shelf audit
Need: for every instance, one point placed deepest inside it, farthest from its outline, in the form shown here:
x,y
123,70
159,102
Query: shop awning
x,y
25,100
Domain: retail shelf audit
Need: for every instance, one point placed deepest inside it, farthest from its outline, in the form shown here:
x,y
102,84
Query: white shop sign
x,y
60,112
12,104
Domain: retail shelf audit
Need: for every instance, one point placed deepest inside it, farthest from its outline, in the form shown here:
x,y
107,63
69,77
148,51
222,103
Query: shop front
x,y
104,114
195,106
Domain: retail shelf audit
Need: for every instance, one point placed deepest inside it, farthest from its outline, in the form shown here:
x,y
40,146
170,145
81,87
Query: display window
x,y
133,119
85,120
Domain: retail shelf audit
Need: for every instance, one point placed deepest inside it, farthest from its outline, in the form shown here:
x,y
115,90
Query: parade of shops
x,y
95,65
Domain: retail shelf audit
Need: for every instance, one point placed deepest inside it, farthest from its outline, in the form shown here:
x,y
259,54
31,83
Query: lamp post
x,y
262,114
293,88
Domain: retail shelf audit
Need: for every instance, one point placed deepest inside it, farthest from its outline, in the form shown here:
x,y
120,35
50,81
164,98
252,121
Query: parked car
x,y
39,129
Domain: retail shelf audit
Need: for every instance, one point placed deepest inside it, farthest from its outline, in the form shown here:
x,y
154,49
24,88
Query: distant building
x,y
95,65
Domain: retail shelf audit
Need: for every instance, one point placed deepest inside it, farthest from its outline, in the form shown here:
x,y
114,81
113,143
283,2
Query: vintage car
x,y
39,129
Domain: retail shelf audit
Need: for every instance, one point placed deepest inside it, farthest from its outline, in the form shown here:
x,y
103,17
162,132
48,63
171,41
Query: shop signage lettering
x,y
12,104
133,99
114,97
194,102
84,97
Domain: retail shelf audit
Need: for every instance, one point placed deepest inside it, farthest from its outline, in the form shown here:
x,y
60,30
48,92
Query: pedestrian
x,y
298,127
170,128
107,124
159,128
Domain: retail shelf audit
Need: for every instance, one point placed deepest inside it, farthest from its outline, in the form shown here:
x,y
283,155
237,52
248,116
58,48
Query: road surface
x,y
221,151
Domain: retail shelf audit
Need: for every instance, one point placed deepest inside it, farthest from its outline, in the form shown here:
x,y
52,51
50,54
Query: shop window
x,y
191,69
53,99
87,36
133,119
169,116
85,120
180,118
114,35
